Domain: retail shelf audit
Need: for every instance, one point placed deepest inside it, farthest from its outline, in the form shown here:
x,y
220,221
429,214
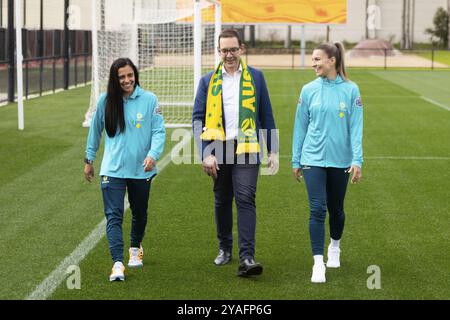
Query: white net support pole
x,y
95,79
302,46
19,60
172,43
133,55
197,44
217,30
95,91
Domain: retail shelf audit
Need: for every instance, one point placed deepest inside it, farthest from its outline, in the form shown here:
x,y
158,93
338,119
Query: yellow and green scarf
x,y
247,135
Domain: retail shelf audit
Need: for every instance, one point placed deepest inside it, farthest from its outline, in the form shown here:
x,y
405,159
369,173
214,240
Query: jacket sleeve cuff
x,y
153,154
357,163
90,156
205,150
296,165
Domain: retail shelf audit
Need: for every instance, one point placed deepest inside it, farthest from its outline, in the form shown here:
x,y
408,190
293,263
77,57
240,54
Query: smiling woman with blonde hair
x,y
327,147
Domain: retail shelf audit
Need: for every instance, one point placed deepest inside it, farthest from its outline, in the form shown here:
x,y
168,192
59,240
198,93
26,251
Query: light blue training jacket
x,y
328,125
144,136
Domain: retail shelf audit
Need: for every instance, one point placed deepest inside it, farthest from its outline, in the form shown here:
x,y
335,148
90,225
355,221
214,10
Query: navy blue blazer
x,y
264,115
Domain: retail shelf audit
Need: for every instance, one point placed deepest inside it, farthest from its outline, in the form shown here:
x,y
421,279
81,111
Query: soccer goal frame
x,y
183,64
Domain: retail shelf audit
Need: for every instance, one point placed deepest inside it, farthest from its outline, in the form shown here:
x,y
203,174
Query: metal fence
x,y
357,57
44,62
47,74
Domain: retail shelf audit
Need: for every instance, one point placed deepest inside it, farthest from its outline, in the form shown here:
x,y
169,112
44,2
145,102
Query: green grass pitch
x,y
398,217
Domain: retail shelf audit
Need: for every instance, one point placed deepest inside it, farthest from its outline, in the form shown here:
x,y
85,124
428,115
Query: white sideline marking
x,y
54,279
367,96
392,158
57,276
443,106
407,158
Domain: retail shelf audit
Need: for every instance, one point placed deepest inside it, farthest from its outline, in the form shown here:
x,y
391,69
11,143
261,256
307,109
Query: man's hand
x,y
210,166
298,174
89,172
273,163
356,173
149,164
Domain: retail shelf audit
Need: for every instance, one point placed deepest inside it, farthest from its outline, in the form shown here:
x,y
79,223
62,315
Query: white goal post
x,y
172,42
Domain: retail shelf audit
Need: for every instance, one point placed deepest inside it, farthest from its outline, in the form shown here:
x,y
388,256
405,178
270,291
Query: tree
x,y
440,31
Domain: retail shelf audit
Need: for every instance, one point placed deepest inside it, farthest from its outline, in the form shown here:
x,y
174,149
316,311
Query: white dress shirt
x,y
230,98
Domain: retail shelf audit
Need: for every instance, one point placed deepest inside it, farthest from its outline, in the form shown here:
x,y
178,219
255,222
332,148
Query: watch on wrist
x,y
87,161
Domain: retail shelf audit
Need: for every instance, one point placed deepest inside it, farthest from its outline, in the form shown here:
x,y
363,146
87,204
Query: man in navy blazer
x,y
235,176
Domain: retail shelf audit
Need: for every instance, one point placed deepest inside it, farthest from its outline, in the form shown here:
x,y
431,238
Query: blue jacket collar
x,y
330,82
136,93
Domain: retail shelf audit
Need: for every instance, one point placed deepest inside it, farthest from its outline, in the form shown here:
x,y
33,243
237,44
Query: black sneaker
x,y
249,267
222,258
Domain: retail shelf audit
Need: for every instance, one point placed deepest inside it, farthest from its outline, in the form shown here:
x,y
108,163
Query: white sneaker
x,y
118,272
136,257
318,274
333,257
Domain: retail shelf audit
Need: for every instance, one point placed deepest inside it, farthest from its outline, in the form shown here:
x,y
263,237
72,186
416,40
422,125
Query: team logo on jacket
x,y
358,102
342,109
139,119
158,109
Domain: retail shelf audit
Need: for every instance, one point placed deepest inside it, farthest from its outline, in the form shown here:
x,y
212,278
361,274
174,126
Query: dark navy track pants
x,y
113,190
326,190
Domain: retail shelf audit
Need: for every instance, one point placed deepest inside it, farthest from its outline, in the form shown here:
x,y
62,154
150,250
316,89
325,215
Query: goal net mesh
x,y
158,36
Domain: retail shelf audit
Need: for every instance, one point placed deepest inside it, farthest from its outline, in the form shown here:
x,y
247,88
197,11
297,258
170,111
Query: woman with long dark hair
x,y
327,147
134,141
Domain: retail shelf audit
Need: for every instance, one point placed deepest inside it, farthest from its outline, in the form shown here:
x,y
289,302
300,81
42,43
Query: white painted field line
x,y
369,96
57,276
406,158
443,106
393,158
54,279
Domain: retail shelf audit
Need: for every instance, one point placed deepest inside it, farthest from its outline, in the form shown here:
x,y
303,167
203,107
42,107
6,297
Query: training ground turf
x,y
398,217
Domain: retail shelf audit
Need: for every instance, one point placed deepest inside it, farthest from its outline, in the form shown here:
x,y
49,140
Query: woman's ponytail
x,y
340,65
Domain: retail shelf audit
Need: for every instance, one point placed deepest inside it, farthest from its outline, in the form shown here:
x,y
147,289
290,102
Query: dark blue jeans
x,y
113,190
326,189
236,181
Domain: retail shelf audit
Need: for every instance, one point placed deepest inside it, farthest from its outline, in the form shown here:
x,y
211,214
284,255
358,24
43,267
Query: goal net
x,y
172,42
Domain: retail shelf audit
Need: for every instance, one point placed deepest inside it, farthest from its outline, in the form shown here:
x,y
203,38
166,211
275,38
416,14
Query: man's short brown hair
x,y
230,33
